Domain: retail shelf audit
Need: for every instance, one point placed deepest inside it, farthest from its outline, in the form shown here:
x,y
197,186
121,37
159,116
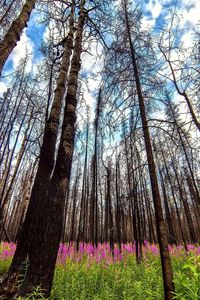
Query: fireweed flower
x,y
154,249
100,254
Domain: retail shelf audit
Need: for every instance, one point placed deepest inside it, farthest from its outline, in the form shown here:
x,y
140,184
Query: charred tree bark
x,y
184,149
41,266
94,195
81,226
45,166
110,214
174,199
172,238
161,229
13,35
186,207
5,199
118,204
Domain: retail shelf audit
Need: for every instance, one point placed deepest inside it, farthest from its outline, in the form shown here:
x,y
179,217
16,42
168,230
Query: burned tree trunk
x,y
45,166
46,237
13,35
161,229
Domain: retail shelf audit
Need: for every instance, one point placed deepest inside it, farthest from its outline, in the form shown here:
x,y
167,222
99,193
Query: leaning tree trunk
x,y
45,167
13,35
161,229
46,235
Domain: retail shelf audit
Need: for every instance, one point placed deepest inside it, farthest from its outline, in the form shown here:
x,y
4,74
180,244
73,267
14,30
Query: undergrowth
x,y
125,279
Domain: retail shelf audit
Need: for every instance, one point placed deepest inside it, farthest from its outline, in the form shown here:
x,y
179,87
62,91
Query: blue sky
x,y
155,11
31,40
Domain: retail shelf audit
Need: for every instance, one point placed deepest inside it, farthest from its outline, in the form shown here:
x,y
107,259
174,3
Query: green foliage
x,y
37,293
125,280
4,265
187,279
86,279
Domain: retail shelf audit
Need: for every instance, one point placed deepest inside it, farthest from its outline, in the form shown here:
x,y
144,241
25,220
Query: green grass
x,y
126,280
85,280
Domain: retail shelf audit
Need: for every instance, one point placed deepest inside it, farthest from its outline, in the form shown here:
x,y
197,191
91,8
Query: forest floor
x,y
93,273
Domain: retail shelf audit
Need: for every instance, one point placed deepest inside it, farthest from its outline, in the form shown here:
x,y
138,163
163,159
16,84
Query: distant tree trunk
x,y
136,198
172,238
110,214
184,150
94,195
4,201
17,165
171,235
26,192
194,198
7,11
106,221
7,97
152,238
74,201
118,204
5,140
13,35
81,225
185,205
132,201
161,229
174,199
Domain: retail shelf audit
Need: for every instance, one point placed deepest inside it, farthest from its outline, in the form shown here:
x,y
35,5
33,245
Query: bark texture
x,y
160,224
41,269
13,35
30,234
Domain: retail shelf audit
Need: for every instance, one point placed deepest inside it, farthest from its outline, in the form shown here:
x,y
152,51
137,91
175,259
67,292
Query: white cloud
x,y
3,88
190,12
147,23
155,7
91,62
187,40
24,46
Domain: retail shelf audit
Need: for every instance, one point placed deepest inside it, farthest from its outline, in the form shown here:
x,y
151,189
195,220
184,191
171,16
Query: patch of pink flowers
x,y
7,250
101,253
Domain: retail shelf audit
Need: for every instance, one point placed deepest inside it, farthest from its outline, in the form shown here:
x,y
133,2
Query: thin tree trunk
x,y
118,210
110,215
184,150
185,205
81,226
172,238
174,199
7,11
161,229
182,93
17,165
